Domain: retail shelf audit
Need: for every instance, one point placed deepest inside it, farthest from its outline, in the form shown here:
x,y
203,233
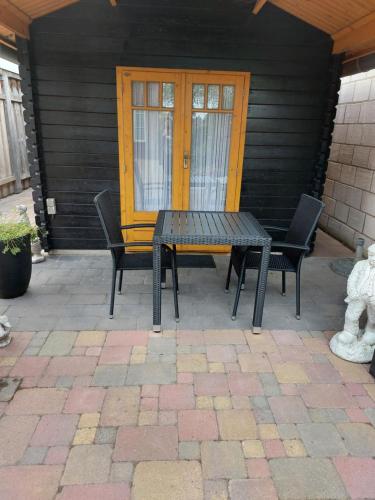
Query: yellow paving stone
x,y
253,448
290,373
84,436
216,368
370,388
148,417
261,343
8,361
222,403
89,420
236,425
192,363
268,431
204,403
294,448
139,349
254,362
137,359
90,338
350,372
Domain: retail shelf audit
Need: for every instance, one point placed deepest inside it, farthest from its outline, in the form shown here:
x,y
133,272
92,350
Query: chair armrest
x,y
131,244
116,245
276,228
134,226
282,244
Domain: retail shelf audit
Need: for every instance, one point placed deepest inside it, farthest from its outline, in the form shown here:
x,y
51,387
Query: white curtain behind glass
x,y
209,160
152,135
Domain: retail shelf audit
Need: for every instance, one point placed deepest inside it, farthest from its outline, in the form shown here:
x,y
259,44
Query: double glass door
x,y
181,140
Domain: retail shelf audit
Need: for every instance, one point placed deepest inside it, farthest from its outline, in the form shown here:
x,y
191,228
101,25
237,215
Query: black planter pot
x,y
15,270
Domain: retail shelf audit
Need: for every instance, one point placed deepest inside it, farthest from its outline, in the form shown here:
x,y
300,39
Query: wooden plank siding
x,y
74,54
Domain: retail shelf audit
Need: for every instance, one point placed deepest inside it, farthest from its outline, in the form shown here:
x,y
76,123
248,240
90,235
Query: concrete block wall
x,y
349,191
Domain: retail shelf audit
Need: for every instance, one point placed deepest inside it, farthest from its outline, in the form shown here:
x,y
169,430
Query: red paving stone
x,y
146,443
273,448
31,482
128,338
57,455
197,425
254,489
30,366
211,384
258,468
221,353
358,475
38,401
327,396
115,355
55,430
286,337
176,397
244,384
18,344
85,400
116,491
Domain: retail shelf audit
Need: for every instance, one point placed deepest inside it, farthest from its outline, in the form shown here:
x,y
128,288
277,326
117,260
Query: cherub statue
x,y
5,327
351,343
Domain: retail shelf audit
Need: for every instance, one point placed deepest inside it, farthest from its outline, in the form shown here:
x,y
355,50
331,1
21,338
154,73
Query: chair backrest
x,y
304,223
109,220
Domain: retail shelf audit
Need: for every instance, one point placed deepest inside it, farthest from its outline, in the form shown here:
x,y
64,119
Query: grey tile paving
x,y
151,373
108,376
359,438
161,345
58,343
302,478
34,455
8,387
321,440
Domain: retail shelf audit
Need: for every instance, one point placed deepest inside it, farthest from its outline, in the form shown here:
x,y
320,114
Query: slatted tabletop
x,y
210,228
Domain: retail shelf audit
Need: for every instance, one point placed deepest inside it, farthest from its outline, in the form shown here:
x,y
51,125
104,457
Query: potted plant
x,y
15,257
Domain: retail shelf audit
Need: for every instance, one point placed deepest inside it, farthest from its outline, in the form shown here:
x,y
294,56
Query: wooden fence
x,y
14,167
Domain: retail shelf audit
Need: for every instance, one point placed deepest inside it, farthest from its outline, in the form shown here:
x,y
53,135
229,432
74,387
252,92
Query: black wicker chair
x,y
289,252
126,261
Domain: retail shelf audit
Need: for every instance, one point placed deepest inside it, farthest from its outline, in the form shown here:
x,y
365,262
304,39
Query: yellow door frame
x,y
183,80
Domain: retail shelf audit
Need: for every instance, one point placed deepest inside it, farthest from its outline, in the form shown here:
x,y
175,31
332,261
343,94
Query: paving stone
x,y
224,337
295,354
197,425
313,478
273,448
84,400
180,480
350,372
105,435
135,444
205,402
270,384
288,431
222,403
192,363
211,384
221,353
370,412
322,373
290,373
167,417
57,455
96,492
150,391
189,450
20,341
38,401
321,440
54,430
268,431
162,345
263,416
34,455
359,438
58,343
258,468
110,375
237,424
88,464
115,355
326,396
90,339
254,362
188,338
149,403
252,489
15,434
121,471
370,388
65,381
176,397
319,415
30,367
294,448
244,384
358,475
84,436
215,490
357,415
288,409
8,387
151,373
120,406
89,420
338,415
222,460
286,337
34,482
148,417
74,366
132,338
253,448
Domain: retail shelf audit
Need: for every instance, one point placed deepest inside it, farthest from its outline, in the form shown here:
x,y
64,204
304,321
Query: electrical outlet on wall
x,y
51,206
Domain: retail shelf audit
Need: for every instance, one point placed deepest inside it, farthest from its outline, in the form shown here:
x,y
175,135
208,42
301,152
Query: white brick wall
x,y
349,191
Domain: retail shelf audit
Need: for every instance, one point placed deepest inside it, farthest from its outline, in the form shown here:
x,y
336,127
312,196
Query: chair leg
x,y
175,297
298,294
114,274
120,282
176,272
283,289
163,277
239,287
228,275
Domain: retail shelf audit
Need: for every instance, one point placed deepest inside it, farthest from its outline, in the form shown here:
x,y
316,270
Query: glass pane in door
x,y
210,146
152,151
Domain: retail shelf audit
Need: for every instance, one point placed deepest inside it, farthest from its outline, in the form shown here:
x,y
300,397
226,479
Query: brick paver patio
x,y
189,415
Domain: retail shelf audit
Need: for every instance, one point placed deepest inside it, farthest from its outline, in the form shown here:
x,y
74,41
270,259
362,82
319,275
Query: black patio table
x,y
174,227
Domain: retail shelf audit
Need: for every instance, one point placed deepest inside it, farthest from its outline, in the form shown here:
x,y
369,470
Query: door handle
x,y
186,159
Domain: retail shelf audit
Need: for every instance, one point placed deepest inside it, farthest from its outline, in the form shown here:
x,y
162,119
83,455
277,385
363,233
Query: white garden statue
x,y
5,327
354,344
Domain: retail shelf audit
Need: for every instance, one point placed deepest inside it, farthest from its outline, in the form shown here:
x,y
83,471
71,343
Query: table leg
x,y
261,288
156,287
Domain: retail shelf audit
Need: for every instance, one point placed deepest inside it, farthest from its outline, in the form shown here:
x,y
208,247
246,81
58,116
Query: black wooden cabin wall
x,y
74,53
